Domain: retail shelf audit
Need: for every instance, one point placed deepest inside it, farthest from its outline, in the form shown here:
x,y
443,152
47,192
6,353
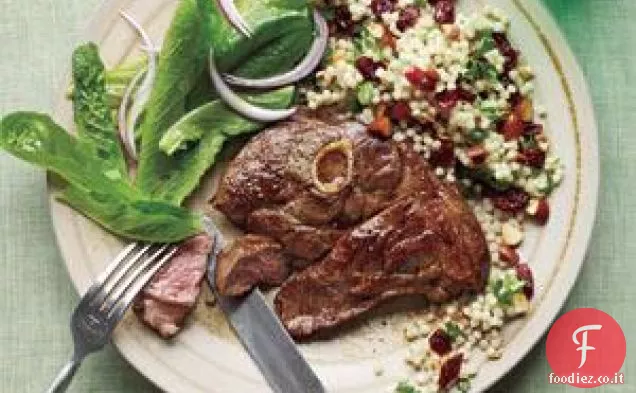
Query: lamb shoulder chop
x,y
370,211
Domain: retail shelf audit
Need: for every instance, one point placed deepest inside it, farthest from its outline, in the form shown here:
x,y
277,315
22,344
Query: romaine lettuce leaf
x,y
94,121
133,218
181,164
183,61
216,117
35,138
89,187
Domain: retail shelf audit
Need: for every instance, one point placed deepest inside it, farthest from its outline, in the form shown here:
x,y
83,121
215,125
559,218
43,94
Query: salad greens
x,y
282,30
133,217
212,125
183,59
184,126
90,187
96,129
216,117
364,93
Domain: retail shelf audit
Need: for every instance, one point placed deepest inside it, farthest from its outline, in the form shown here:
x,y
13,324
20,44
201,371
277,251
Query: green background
x,y
36,296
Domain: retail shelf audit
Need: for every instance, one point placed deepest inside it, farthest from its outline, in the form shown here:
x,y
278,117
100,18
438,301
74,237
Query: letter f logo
x,y
583,344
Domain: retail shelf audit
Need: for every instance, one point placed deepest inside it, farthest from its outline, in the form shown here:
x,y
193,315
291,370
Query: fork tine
x,y
115,272
140,279
122,287
111,282
95,291
115,263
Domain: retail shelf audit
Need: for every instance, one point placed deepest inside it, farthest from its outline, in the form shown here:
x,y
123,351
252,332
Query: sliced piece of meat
x,y
419,245
171,294
251,260
164,318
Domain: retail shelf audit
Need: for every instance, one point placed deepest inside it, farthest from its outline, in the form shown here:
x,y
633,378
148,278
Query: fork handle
x,y
63,379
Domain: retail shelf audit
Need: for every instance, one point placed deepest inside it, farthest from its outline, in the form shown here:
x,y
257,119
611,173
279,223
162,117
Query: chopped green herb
x,y
463,385
528,142
504,288
484,44
480,69
405,387
452,330
477,135
364,93
365,44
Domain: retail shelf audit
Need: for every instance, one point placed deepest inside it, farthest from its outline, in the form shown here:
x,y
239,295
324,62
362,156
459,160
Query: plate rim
x,y
586,212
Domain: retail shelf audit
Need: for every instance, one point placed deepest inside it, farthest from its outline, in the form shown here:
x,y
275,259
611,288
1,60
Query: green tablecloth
x,y
36,296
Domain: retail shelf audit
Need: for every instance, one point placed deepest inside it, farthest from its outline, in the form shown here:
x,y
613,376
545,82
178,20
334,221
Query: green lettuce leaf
x,y
89,187
211,126
35,138
216,117
182,62
131,217
94,121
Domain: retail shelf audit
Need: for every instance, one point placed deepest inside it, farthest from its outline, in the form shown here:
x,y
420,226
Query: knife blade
x,y
263,335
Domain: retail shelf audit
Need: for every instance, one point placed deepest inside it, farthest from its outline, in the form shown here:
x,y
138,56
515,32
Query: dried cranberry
x,y
343,21
447,99
542,215
440,342
422,79
408,17
367,67
512,128
524,273
445,155
514,98
532,129
444,11
477,154
532,157
512,200
449,373
380,7
507,51
400,111
509,255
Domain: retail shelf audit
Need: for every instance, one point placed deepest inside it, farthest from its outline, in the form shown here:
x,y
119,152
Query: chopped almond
x,y
451,31
525,110
388,39
381,125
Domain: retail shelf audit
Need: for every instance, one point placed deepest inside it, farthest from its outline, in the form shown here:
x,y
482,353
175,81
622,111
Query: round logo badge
x,y
586,348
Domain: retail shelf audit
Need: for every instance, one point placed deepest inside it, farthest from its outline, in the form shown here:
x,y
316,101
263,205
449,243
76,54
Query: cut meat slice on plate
x,y
172,293
250,260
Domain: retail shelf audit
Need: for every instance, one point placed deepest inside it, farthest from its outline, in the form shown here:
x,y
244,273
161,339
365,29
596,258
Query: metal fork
x,y
106,301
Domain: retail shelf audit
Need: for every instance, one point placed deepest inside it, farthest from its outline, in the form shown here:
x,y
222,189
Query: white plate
x,y
207,358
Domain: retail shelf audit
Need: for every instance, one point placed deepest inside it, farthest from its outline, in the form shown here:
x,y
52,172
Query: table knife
x,y
263,335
